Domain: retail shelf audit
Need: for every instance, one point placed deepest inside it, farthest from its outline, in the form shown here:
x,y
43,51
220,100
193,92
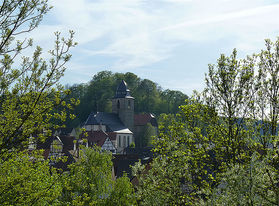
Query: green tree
x,y
180,172
229,89
28,92
173,99
29,98
204,153
90,181
254,183
96,95
147,135
266,98
26,179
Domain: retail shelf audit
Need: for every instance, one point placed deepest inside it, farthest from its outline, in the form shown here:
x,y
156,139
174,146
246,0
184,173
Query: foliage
x,y
32,103
266,98
132,145
147,134
90,181
161,185
96,95
26,179
184,163
230,91
204,153
28,95
254,183
123,192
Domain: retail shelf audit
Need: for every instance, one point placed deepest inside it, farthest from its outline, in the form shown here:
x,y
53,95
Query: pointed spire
x,y
122,90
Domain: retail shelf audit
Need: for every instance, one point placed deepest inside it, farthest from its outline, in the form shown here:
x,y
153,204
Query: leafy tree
x,y
229,89
184,163
173,99
29,98
96,95
90,182
31,104
266,98
204,153
27,89
148,133
26,179
254,183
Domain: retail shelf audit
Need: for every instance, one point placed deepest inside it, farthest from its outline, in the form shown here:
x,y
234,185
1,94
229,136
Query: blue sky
x,y
170,42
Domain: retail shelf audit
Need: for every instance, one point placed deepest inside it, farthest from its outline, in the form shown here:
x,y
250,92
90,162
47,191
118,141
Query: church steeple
x,y
123,105
122,90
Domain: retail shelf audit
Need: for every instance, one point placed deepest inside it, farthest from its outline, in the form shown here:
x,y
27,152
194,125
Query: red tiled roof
x,y
99,137
112,135
143,119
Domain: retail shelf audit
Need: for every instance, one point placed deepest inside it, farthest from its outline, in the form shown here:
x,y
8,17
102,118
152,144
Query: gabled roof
x,y
143,119
46,144
122,91
96,137
108,145
99,137
66,131
111,120
68,142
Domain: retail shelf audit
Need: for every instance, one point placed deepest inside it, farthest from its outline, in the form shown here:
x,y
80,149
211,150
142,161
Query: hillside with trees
x,y
96,95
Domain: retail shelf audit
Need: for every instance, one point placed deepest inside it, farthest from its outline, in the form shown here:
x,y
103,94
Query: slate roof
x,y
68,142
143,119
65,131
46,144
111,120
122,162
122,91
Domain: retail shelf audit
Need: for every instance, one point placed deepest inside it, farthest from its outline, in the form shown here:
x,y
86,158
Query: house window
x,y
56,148
32,144
124,142
119,141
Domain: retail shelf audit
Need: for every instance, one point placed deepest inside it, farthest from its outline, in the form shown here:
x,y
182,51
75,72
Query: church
x,y
117,130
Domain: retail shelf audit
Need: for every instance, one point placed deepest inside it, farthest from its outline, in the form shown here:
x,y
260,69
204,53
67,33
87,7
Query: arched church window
x,y
118,104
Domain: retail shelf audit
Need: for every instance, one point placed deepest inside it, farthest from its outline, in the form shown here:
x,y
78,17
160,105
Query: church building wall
x,y
95,128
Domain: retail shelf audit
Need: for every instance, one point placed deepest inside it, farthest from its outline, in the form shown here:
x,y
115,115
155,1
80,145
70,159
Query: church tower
x,y
123,105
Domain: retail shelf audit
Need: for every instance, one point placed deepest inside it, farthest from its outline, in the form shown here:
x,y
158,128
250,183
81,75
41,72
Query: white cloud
x,y
138,33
